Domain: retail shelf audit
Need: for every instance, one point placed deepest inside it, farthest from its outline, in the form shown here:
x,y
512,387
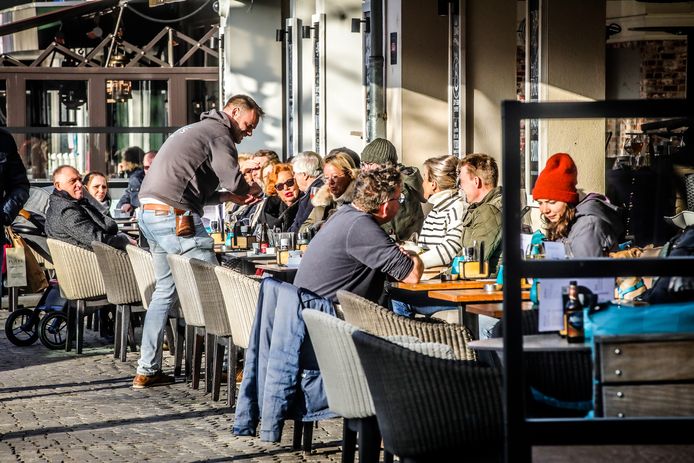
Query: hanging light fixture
x,y
118,91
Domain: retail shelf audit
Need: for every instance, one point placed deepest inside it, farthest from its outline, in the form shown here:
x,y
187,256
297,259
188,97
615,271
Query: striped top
x,y
442,229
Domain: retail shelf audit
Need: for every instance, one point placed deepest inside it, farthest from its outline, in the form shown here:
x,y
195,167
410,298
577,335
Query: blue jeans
x,y
160,230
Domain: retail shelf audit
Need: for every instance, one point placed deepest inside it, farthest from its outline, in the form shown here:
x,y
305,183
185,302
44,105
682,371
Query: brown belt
x,y
162,208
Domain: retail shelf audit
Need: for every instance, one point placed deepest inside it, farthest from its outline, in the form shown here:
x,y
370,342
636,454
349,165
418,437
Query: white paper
x,y
553,249
551,303
16,267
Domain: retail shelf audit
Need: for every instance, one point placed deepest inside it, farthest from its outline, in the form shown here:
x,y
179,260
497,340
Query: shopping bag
x,y
23,270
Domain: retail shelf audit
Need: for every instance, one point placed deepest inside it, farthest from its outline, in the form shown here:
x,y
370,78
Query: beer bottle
x,y
573,315
263,242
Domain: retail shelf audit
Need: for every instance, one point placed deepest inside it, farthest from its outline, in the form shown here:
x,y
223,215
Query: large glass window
x,y
203,95
138,103
60,105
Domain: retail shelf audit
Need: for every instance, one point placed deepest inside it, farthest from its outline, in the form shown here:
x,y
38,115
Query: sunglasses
x,y
280,186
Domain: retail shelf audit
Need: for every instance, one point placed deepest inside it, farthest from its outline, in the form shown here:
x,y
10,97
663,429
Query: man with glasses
x,y
129,201
352,251
308,173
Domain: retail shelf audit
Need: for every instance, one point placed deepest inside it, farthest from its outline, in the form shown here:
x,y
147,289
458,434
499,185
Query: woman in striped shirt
x,y
441,234
442,229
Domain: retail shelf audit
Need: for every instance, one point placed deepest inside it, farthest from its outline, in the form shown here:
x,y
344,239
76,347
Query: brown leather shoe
x,y
157,379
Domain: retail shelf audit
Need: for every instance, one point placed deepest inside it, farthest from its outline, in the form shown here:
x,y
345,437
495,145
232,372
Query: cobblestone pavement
x,y
58,406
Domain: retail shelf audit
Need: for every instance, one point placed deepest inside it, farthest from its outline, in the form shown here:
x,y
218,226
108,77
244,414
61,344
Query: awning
x,y
57,15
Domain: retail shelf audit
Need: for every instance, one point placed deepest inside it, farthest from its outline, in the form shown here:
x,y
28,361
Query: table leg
x,y
469,320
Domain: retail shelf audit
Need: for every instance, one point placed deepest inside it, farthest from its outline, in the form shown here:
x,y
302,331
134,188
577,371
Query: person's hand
x,y
126,207
238,199
132,241
249,165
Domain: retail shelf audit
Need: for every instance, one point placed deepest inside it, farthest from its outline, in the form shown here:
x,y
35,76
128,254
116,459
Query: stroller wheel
x,y
20,327
53,330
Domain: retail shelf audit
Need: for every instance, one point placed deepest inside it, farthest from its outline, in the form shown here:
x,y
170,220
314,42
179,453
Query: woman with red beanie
x,y
591,226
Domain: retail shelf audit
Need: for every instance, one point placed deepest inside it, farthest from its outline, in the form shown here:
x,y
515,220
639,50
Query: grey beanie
x,y
379,151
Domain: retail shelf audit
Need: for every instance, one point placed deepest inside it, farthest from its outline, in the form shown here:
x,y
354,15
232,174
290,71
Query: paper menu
x,y
551,303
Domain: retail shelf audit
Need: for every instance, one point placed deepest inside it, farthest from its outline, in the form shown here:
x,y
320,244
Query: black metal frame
x,y
522,433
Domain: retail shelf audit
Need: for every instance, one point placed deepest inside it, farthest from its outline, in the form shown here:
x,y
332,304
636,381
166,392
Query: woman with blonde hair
x,y
339,175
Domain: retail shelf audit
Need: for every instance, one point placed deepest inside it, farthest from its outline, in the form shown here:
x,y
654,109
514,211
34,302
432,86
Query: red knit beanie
x,y
557,181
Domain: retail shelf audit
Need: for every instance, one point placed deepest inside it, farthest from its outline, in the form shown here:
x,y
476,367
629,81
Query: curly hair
x,y
555,231
376,186
272,177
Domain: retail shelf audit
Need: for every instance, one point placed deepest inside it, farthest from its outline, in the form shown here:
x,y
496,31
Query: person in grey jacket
x,y
189,168
72,218
130,199
591,227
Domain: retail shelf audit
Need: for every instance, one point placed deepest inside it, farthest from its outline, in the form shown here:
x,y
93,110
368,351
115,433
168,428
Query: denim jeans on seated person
x,y
409,303
160,230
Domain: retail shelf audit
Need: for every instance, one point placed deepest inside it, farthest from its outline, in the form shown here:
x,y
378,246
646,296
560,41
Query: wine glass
x,y
535,251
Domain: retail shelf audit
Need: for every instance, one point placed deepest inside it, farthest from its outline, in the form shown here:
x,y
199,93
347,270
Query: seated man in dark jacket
x,y
73,219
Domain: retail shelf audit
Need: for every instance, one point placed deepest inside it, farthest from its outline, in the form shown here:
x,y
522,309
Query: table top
x,y
493,309
274,268
469,296
433,285
548,342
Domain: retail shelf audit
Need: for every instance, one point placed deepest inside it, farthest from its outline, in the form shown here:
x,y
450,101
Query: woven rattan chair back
x,y
118,275
213,308
240,295
77,270
432,409
143,269
344,378
380,321
188,295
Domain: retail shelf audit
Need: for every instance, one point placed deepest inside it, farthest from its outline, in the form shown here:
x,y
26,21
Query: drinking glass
x,y
535,251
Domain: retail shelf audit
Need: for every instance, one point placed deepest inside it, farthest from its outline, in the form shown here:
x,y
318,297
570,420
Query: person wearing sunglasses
x,y
283,196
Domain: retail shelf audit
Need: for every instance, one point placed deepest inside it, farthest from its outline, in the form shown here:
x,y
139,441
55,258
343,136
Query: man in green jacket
x,y
479,175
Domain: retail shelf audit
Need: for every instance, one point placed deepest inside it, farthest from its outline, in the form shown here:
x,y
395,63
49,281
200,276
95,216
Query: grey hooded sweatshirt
x,y
596,227
193,162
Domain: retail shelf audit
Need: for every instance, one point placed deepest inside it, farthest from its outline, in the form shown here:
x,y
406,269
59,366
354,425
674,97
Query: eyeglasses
x,y
400,199
334,178
280,186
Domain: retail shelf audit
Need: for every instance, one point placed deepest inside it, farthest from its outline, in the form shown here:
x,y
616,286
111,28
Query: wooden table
x,y
279,272
244,262
548,342
434,285
464,297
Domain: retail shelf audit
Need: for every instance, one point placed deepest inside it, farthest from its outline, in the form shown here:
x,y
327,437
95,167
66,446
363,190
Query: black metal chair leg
x,y
308,436
349,441
190,343
231,369
118,330
369,440
296,438
71,325
217,353
197,358
180,338
79,320
209,356
125,327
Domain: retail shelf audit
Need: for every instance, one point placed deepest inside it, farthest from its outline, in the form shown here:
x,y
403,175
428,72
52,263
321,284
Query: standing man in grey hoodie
x,y
190,166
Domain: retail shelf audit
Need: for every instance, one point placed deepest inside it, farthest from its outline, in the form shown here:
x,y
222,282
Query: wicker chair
x,y
217,327
121,291
189,298
79,280
143,268
432,409
380,321
240,295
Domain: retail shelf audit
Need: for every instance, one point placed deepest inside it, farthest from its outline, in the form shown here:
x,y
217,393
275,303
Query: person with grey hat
x,y
410,217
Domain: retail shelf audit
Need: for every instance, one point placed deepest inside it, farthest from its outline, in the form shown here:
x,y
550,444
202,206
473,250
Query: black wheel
x,y
20,327
53,330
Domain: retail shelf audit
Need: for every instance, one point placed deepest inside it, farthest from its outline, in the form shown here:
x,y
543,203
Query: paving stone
x,y
59,406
